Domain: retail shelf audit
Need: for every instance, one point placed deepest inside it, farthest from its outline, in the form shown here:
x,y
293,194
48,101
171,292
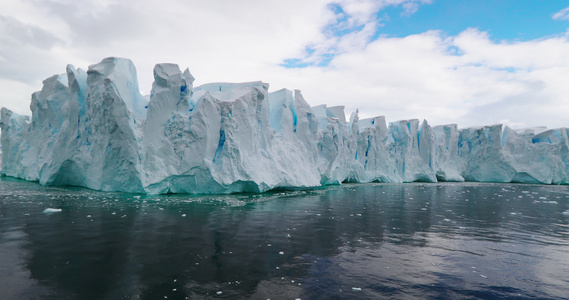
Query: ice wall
x,y
94,129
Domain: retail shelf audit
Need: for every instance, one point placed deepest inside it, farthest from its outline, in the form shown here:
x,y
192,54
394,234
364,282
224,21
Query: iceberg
x,y
94,129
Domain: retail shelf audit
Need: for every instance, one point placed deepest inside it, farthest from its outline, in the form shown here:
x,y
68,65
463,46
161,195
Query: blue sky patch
x,y
520,20
504,20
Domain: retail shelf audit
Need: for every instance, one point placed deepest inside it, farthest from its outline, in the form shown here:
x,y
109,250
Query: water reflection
x,y
365,241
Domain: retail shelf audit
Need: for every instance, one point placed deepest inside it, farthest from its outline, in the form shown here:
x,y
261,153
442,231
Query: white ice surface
x,y
94,129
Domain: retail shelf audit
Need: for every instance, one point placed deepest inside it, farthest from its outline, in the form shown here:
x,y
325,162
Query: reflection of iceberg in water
x,y
16,281
397,240
94,129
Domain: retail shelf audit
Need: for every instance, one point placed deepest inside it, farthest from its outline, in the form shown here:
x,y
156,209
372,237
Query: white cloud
x,y
363,11
411,7
562,14
417,76
18,95
355,23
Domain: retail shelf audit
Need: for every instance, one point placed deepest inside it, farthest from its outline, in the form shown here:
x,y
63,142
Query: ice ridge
x,y
94,129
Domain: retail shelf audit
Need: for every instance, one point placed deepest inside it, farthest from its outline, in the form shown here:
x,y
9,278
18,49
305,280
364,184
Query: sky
x,y
468,62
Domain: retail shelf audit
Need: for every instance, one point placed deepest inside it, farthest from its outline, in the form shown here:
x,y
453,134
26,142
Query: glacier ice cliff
x,y
94,129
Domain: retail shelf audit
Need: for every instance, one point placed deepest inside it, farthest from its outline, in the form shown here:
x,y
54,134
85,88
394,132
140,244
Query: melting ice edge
x,y
94,129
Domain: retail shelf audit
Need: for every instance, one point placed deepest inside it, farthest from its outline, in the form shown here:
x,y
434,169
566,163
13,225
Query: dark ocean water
x,y
372,241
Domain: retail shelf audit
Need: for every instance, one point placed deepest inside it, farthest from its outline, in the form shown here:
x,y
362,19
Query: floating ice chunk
x,y
356,289
51,210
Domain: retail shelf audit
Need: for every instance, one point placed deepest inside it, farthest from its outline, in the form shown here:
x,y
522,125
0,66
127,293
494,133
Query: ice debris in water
x,y
51,210
219,138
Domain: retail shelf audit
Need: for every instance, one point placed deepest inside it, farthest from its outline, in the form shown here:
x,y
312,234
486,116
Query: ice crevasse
x,y
94,129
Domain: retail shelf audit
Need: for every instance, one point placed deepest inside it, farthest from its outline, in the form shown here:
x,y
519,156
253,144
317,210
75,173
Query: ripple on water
x,y
447,241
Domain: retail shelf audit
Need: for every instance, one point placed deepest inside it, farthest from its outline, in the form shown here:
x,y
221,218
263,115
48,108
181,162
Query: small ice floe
x,y
549,202
281,253
542,198
51,210
183,215
219,292
483,276
356,289
566,212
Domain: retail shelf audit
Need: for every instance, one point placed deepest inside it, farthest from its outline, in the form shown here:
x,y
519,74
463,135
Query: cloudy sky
x,y
470,62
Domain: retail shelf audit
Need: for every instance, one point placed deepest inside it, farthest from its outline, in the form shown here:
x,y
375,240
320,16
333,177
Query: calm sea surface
x,y
372,241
